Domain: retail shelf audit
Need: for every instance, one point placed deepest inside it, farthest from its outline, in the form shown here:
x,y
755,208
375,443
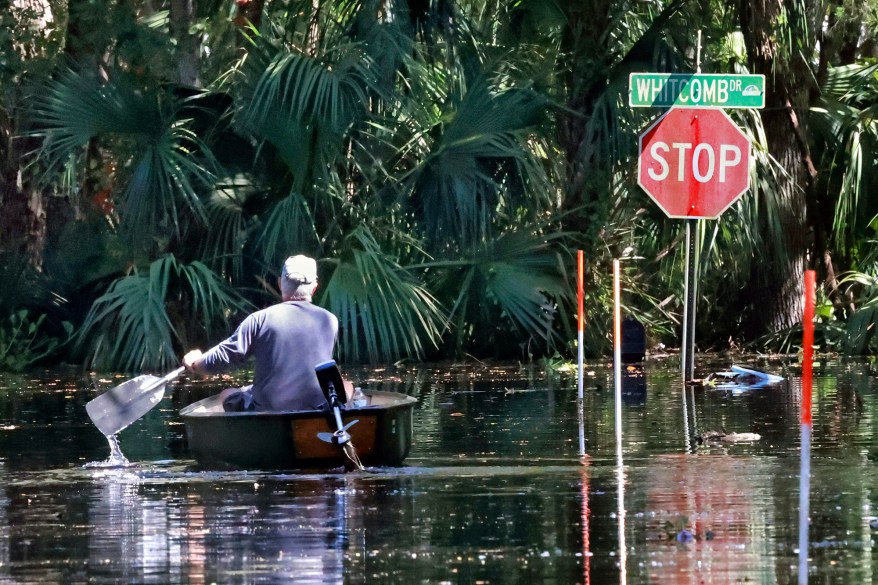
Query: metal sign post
x,y
690,295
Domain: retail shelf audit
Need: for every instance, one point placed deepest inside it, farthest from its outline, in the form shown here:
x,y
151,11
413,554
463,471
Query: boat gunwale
x,y
398,401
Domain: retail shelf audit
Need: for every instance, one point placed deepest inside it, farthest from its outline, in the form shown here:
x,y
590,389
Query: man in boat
x,y
286,340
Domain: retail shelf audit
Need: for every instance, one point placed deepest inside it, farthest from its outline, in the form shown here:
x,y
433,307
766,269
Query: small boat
x,y
289,439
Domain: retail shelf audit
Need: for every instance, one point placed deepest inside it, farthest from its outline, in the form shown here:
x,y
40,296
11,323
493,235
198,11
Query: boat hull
x,y
289,439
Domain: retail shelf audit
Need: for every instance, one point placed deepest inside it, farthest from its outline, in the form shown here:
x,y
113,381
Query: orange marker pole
x,y
808,345
805,449
580,350
580,319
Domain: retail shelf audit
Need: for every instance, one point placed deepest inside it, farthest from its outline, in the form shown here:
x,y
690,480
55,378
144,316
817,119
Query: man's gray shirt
x,y
287,340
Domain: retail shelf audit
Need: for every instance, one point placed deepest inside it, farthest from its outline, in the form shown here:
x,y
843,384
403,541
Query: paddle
x,y
118,407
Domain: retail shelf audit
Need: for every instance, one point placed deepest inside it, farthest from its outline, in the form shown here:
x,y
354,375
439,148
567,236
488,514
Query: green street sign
x,y
696,90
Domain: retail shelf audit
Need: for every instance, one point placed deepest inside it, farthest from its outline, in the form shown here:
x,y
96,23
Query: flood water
x,y
493,491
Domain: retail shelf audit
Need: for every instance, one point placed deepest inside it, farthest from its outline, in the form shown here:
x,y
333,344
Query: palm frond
x,y
164,160
384,313
304,107
513,283
128,327
165,176
862,321
844,126
460,184
207,296
288,225
229,228
131,326
69,111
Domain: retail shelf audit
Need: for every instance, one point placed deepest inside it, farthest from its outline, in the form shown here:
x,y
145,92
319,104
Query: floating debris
x,y
724,437
740,379
685,536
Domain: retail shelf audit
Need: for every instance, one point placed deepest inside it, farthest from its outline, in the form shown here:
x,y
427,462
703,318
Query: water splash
x,y
351,454
116,459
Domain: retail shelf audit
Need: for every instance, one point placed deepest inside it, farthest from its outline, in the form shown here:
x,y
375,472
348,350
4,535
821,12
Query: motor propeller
x,y
339,437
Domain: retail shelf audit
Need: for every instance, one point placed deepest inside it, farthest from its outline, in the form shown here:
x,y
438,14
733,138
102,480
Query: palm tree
x,y
441,159
376,140
433,169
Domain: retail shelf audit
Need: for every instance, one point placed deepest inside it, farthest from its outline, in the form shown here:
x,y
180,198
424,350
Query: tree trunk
x,y
182,17
22,217
774,300
585,80
23,222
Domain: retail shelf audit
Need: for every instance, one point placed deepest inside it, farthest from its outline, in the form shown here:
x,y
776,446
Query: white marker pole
x,y
620,470
620,513
617,357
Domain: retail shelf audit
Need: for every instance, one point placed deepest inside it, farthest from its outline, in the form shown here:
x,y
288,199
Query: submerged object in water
x,y
724,437
740,379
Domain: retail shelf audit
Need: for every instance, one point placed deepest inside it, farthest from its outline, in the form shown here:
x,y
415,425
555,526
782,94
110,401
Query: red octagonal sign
x,y
694,162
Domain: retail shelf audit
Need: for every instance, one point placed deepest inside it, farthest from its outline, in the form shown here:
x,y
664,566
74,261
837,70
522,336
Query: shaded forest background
x,y
442,159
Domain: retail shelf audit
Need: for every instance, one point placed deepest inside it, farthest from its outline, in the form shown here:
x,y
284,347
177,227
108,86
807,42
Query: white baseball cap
x,y
300,269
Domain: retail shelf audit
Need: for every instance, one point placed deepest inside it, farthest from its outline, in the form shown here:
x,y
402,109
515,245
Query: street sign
x,y
702,90
694,162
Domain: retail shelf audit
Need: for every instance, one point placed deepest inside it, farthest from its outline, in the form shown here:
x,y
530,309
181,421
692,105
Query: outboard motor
x,y
332,385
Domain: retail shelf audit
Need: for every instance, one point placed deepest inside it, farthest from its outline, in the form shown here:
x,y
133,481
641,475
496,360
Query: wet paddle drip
x,y
116,459
351,454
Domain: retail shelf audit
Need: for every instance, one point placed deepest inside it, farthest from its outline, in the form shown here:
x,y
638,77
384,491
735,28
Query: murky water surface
x,y
494,490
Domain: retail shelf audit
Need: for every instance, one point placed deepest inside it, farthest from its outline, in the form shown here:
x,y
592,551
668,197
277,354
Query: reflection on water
x,y
494,491
710,511
270,532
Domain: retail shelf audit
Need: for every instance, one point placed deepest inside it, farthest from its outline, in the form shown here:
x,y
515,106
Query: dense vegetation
x,y
443,159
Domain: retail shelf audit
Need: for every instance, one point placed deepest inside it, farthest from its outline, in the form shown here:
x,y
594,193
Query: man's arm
x,y
227,354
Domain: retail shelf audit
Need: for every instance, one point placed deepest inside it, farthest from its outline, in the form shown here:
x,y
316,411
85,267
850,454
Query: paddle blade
x,y
118,407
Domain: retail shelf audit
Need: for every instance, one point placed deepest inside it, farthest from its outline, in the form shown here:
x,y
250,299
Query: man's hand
x,y
192,360
348,389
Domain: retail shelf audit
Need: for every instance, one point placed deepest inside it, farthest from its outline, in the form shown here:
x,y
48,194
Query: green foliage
x,y
383,311
20,284
30,38
476,166
862,313
846,134
134,324
303,106
442,159
149,130
24,341
505,294
830,334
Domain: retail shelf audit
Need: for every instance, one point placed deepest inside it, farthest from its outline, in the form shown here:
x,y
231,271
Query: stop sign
x,y
694,162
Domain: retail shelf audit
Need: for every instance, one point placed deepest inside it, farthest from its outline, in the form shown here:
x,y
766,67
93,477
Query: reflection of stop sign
x,y
694,162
